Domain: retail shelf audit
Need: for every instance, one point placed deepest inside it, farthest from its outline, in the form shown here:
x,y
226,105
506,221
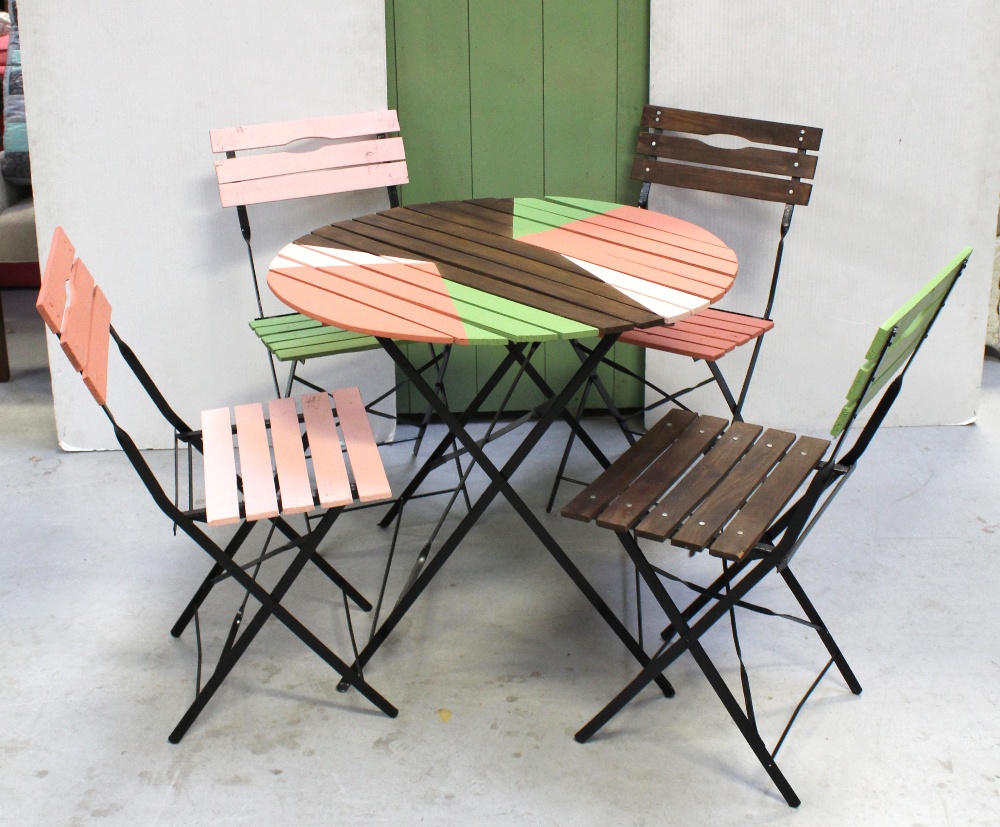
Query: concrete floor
x,y
499,663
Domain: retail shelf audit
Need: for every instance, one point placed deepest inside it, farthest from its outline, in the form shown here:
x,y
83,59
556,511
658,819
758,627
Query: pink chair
x,y
256,470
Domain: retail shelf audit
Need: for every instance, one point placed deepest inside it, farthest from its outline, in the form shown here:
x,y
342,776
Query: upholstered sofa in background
x,y
18,251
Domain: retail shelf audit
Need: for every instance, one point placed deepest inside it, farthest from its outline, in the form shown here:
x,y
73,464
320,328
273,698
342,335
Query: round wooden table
x,y
489,271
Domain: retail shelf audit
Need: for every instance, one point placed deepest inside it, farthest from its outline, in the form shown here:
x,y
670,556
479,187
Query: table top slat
x,y
562,299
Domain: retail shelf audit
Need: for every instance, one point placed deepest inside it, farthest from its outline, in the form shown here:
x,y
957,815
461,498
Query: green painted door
x,y
519,98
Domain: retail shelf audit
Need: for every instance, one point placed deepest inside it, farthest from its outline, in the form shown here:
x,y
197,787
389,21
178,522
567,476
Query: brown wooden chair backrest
x,y
357,153
771,164
83,323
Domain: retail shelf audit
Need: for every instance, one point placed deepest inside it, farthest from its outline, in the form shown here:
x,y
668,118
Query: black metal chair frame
x,y
224,566
774,552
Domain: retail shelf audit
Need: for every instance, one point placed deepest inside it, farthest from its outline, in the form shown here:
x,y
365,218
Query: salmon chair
x,y
748,496
356,152
772,163
256,470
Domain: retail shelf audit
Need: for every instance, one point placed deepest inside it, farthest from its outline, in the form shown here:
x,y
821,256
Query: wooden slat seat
x,y
708,335
689,482
295,337
278,475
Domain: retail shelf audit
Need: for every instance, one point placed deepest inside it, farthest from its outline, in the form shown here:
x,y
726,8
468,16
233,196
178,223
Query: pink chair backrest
x,y
83,324
353,159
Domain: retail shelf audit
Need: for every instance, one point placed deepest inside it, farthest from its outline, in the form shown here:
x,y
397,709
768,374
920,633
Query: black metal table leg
x,y
499,484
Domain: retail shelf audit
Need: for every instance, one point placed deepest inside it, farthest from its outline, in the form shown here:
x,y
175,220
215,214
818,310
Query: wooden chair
x,y
773,164
357,152
702,486
256,470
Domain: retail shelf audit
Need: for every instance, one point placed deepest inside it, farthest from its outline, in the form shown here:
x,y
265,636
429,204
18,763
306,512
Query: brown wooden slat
x,y
729,495
471,215
590,502
704,123
341,238
629,508
560,297
749,159
525,257
698,482
747,527
722,181
696,347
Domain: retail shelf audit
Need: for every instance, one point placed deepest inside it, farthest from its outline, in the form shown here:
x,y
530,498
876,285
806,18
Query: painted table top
x,y
488,271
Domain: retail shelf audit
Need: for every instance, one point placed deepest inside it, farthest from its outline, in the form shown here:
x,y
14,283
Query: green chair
x,y
738,493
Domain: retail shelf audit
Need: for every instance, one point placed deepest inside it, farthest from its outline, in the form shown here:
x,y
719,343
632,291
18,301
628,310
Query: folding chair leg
x,y
270,604
821,630
727,394
234,544
690,642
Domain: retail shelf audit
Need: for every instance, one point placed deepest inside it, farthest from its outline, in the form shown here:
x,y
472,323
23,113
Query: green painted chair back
x,y
897,340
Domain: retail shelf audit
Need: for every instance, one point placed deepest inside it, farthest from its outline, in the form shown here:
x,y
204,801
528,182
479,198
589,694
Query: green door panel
x,y
520,98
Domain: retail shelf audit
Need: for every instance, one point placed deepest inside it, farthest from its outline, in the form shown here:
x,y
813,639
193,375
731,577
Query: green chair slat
x,y
904,331
314,335
290,321
562,327
287,353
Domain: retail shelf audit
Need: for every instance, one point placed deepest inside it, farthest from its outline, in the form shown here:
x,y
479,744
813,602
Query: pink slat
x,y
51,303
332,483
289,456
305,184
332,127
356,153
418,283
659,221
259,497
320,302
95,372
366,462
659,249
75,335
221,502
655,234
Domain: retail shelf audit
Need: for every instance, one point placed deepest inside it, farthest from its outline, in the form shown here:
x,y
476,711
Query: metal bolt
x,y
736,439
647,169
796,165
654,144
769,445
628,505
790,192
593,496
701,522
740,533
664,514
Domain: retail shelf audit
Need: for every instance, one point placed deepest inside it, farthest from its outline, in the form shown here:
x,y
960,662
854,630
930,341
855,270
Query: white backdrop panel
x,y
120,99
908,174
